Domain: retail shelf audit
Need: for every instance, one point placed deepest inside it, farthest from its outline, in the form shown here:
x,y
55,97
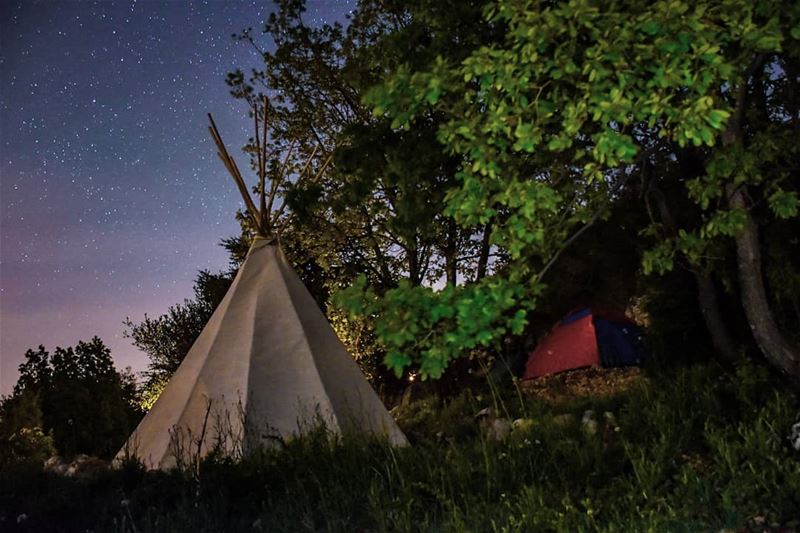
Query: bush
x,y
697,450
27,445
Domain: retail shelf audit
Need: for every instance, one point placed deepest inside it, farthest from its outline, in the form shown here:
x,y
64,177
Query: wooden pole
x,y
266,215
233,170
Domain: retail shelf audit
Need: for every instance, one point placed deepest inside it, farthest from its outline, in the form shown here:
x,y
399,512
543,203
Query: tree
x,y
22,437
380,206
74,395
379,209
558,120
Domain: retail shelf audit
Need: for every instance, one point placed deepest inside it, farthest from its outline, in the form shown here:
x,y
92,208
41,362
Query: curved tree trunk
x,y
775,347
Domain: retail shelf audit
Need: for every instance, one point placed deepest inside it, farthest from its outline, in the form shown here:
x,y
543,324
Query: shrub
x,y
697,450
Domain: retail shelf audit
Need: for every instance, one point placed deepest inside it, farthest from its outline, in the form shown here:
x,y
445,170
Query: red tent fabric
x,y
571,344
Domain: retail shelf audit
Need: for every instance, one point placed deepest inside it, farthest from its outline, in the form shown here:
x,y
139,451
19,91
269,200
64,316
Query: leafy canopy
x,y
554,121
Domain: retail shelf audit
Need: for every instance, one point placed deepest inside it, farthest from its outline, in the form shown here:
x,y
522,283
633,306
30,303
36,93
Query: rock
x,y
75,466
53,461
522,424
499,429
56,464
611,422
485,412
493,427
794,436
85,466
588,422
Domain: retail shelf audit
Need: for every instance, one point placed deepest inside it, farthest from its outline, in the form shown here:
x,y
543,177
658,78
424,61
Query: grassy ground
x,y
696,450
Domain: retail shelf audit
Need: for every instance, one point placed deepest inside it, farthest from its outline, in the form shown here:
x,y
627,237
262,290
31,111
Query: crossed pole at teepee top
x,y
265,224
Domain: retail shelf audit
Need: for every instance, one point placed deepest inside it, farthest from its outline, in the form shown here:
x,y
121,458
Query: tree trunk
x,y
451,254
723,343
385,273
775,347
412,257
483,257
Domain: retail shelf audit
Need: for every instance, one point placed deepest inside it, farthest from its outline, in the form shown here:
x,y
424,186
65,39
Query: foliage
x,y
551,119
28,444
73,399
22,438
440,326
378,211
697,450
553,123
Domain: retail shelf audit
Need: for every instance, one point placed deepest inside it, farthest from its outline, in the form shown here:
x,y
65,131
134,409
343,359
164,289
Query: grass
x,y
697,450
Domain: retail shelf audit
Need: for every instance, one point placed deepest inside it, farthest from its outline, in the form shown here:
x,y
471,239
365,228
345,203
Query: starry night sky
x,y
111,196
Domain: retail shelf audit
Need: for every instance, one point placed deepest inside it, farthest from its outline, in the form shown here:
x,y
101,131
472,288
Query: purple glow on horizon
x,y
111,197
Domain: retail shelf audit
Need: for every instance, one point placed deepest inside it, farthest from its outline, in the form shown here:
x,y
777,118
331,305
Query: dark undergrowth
x,y
696,450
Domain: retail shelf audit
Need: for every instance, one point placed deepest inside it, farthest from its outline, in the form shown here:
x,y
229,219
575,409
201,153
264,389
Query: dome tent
x,y
588,337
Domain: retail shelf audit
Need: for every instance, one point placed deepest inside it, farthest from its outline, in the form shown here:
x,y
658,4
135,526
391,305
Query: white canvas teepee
x,y
266,366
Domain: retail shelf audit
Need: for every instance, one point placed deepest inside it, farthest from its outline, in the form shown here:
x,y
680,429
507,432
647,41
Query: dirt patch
x,y
583,382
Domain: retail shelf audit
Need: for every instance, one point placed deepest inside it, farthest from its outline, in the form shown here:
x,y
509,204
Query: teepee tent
x,y
266,366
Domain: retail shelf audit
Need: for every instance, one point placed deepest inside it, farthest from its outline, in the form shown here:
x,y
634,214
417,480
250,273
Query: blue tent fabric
x,y
619,344
577,315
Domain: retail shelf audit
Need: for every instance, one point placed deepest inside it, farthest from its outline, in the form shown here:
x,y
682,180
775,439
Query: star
x,y
112,199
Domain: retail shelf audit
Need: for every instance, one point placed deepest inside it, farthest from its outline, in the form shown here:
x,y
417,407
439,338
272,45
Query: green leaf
x,y
519,322
651,27
727,222
440,311
484,337
717,118
397,361
659,259
707,136
784,204
432,96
